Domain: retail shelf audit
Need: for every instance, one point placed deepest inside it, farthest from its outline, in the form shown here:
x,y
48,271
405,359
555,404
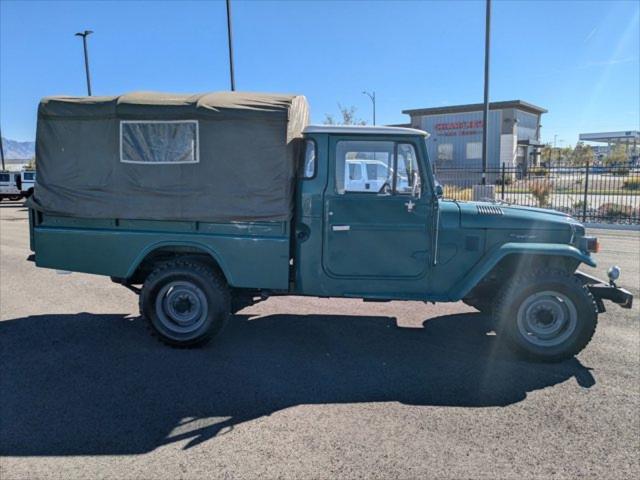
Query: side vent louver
x,y
489,210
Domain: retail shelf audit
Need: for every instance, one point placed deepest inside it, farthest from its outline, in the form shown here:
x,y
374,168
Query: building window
x,y
445,151
159,142
474,150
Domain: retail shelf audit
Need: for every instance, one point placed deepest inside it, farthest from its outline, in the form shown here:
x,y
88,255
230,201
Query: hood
x,y
511,217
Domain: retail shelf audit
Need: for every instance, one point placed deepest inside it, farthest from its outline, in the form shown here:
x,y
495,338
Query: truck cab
x,y
372,239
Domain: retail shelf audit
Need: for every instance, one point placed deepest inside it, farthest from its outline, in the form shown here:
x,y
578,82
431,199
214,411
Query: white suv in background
x,y
9,186
28,180
365,175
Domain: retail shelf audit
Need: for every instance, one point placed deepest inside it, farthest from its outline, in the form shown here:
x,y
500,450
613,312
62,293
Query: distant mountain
x,y
14,150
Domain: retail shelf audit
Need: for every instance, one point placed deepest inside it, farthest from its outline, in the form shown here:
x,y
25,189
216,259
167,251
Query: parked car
x,y
9,188
368,175
205,204
28,181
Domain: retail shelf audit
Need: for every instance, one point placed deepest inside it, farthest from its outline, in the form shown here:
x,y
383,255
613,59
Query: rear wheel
x,y
185,303
547,315
15,198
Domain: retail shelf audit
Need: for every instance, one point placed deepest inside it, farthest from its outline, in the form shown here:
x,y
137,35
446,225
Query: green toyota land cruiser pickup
x,y
205,204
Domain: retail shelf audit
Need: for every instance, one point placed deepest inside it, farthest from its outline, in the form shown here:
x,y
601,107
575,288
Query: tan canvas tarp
x,y
220,156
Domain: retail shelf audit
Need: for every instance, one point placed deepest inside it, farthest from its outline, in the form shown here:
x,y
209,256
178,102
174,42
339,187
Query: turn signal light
x,y
590,244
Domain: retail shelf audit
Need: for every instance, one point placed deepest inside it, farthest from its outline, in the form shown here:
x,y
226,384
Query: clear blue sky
x,y
580,60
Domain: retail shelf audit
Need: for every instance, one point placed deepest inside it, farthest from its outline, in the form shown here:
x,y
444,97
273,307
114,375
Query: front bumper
x,y
602,290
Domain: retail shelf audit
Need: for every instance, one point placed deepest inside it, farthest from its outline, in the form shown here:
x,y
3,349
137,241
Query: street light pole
x,y
2,151
84,36
372,96
485,114
230,38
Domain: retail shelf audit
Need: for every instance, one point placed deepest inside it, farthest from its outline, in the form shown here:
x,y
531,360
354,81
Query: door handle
x,y
341,228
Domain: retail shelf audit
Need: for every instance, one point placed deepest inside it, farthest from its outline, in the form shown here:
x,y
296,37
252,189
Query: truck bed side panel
x,y
251,254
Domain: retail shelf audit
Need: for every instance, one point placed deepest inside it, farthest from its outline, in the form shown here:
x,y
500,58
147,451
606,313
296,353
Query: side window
x,y
445,151
408,172
355,171
4,177
375,158
159,142
309,167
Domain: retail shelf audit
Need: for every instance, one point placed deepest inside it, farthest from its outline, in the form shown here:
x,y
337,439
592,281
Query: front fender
x,y
486,264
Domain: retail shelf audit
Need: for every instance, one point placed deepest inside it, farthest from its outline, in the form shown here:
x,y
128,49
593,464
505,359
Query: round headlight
x,y
613,273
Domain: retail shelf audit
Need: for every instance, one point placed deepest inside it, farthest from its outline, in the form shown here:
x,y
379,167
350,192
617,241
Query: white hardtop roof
x,y
365,129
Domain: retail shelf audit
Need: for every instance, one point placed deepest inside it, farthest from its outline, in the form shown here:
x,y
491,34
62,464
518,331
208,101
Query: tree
x,y
547,154
617,154
347,117
582,154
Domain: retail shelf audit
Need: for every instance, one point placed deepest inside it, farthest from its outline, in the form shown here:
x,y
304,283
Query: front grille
x,y
489,210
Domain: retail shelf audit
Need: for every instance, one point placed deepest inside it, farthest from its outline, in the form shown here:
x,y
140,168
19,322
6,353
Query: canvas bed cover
x,y
223,156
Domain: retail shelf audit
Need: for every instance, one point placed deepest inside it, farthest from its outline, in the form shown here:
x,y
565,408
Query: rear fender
x,y
193,247
492,258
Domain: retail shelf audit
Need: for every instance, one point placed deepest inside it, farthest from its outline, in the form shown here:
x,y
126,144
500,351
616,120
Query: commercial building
x,y
456,134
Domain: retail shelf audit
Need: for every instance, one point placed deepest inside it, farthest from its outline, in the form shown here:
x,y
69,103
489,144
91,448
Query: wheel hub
x,y
181,306
547,318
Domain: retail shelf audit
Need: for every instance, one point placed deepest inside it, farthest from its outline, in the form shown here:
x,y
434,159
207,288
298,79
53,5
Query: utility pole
x,y
2,151
84,36
372,96
485,114
230,37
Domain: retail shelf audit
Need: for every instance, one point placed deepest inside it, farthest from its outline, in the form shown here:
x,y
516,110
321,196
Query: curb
x,y
613,226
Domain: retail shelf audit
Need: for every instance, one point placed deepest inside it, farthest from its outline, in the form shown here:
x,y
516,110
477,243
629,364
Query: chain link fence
x,y
598,194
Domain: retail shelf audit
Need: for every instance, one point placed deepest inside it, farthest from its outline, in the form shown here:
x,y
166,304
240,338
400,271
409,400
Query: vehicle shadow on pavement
x,y
89,384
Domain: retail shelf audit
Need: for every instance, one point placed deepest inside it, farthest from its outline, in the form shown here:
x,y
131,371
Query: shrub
x,y
457,193
620,171
633,184
579,205
615,210
539,172
508,180
541,191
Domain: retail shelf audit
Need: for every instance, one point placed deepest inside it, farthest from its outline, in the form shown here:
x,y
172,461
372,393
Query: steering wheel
x,y
385,188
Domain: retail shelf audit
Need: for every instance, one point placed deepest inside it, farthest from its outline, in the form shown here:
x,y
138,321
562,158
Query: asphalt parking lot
x,y
302,388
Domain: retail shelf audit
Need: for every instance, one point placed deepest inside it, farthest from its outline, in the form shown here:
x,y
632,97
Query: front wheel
x,y
185,303
547,315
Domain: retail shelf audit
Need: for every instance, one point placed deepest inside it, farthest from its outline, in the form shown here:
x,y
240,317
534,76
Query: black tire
x,y
15,198
186,303
483,305
547,315
240,302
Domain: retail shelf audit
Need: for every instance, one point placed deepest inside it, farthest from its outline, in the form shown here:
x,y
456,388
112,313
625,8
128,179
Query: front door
x,y
382,232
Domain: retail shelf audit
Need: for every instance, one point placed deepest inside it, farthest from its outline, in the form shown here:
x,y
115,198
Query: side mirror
x,y
439,191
